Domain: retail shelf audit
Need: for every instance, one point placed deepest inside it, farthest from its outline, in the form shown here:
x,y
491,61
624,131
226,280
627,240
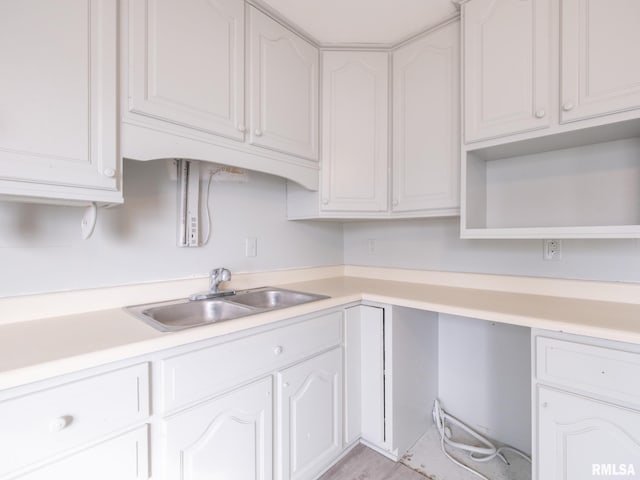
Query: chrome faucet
x,y
216,277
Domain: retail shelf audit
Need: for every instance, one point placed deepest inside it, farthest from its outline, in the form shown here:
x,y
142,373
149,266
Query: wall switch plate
x,y
251,246
552,250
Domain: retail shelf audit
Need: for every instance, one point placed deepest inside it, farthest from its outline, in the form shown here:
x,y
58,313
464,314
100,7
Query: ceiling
x,y
362,21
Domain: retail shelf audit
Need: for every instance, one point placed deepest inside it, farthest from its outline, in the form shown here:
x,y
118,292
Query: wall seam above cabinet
x,y
295,28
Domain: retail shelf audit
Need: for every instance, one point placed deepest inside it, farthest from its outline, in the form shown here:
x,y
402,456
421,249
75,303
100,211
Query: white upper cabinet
x,y
570,66
600,66
506,67
283,88
424,170
354,137
58,119
426,130
218,81
187,63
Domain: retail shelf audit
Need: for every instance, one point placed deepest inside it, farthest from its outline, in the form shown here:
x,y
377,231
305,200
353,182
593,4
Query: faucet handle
x,y
219,275
224,274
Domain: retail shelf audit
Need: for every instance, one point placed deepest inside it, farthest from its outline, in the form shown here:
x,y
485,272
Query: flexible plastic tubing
x,y
478,454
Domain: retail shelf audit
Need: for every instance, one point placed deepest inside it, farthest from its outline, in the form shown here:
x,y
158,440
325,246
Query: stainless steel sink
x,y
272,298
180,314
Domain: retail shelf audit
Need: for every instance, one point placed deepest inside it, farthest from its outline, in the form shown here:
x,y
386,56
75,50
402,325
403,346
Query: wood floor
x,y
362,463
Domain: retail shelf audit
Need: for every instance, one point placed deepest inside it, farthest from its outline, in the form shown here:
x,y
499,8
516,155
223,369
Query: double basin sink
x,y
180,314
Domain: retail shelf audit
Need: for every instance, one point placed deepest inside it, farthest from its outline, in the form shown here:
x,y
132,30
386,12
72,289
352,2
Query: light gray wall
x,y
434,244
484,377
41,249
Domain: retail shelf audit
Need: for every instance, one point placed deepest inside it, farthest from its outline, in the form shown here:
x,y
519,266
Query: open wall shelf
x,y
580,185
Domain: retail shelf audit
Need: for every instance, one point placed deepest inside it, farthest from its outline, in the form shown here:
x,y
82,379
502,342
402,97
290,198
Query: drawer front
x,y
192,376
48,422
603,371
125,457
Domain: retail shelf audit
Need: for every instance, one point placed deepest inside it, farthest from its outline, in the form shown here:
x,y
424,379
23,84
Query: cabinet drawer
x,y
49,421
599,370
124,457
192,376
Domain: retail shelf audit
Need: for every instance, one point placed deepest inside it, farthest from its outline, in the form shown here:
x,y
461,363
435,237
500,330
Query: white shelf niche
x,y
537,190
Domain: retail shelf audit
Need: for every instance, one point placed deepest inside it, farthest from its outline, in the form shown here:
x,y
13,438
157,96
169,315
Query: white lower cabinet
x,y
364,375
218,415
257,406
68,425
124,457
583,438
587,408
310,413
228,437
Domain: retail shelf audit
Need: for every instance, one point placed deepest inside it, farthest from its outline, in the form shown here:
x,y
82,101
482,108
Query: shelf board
x,y
593,232
558,141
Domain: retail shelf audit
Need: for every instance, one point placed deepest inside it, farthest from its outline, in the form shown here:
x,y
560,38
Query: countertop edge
x,y
129,339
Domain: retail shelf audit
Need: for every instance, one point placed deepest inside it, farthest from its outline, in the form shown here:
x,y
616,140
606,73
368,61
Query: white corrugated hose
x,y
488,451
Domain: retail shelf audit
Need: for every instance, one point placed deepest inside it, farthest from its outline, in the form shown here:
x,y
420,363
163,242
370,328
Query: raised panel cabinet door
x,y
186,63
581,438
283,86
506,67
58,109
426,116
229,437
354,131
310,412
600,62
124,457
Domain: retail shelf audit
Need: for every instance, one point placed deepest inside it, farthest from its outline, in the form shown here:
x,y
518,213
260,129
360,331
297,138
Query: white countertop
x,y
34,350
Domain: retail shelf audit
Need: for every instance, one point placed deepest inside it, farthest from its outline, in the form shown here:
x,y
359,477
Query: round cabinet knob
x,y
241,128
109,172
59,423
257,132
278,350
395,203
540,114
545,405
567,106
285,384
325,201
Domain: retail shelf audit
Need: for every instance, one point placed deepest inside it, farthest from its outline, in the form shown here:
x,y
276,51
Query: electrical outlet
x,y
552,250
371,246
